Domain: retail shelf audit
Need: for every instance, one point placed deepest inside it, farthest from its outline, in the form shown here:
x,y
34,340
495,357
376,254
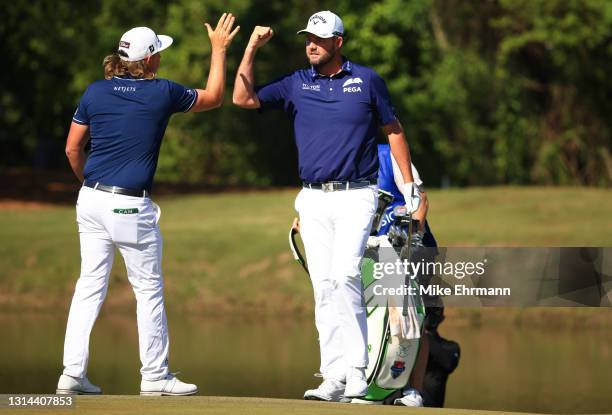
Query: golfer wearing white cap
x,y
126,116
335,107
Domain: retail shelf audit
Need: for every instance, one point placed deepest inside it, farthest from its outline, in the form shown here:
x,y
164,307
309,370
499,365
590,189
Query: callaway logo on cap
x,y
324,24
140,42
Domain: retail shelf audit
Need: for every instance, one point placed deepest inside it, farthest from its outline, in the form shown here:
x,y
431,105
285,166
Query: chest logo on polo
x,y
311,87
124,88
352,85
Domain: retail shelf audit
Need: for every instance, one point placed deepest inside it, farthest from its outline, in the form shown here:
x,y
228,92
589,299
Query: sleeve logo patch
x,y
127,211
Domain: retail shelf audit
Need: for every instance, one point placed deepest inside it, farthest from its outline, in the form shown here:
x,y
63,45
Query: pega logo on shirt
x,y
352,81
314,87
124,88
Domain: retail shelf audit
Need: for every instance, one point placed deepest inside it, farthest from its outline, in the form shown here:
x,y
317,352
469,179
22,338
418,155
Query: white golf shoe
x,y
356,383
330,390
168,386
67,385
411,397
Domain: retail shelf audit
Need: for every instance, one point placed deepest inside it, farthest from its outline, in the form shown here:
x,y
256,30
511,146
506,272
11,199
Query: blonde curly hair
x,y
115,66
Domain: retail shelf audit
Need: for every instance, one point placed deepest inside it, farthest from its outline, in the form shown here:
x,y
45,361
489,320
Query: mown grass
x,y
229,251
221,405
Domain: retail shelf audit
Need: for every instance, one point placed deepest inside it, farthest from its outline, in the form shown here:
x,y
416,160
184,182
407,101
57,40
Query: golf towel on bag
x,y
407,326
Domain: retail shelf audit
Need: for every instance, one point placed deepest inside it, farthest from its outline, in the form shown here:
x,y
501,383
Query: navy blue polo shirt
x,y
335,120
127,119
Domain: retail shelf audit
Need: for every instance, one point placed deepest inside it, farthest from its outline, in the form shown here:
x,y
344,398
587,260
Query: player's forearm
x,y
244,86
421,213
215,85
76,158
401,153
77,139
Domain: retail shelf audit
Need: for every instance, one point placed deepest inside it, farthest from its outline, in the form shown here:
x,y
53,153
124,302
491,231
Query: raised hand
x,y
222,36
260,36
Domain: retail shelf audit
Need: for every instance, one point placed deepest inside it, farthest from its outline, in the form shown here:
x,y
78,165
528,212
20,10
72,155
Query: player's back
x,y
127,119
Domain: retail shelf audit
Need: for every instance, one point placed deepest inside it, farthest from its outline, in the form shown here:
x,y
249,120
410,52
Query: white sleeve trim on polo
x,y
195,98
76,120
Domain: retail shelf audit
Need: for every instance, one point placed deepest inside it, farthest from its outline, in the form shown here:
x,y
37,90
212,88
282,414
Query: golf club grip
x,y
297,255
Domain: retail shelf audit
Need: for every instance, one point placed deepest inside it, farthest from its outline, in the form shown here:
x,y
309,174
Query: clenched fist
x,y
222,36
260,36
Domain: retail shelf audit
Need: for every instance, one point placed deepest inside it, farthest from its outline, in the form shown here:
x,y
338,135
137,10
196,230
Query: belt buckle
x,y
327,187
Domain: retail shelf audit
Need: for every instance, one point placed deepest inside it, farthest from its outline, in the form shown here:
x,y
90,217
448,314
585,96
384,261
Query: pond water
x,y
501,368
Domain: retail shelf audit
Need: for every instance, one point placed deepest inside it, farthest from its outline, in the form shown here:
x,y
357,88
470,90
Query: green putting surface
x,y
121,404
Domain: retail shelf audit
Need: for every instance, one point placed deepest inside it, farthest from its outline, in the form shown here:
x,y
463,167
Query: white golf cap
x,y
324,24
140,42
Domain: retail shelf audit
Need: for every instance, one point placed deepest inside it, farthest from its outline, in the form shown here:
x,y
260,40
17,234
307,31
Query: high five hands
x,y
260,36
222,36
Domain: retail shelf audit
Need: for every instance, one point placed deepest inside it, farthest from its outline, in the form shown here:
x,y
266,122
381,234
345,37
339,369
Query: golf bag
x,y
443,359
391,357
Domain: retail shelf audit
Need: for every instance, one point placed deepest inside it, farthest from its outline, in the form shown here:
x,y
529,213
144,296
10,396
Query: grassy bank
x,y
228,252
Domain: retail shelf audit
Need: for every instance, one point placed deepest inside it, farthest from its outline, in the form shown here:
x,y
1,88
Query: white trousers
x,y
107,221
335,228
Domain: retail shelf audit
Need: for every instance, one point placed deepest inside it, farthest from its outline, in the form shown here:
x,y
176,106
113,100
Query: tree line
x,y
489,91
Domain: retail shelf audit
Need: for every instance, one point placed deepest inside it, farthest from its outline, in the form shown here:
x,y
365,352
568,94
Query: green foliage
x,y
488,91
